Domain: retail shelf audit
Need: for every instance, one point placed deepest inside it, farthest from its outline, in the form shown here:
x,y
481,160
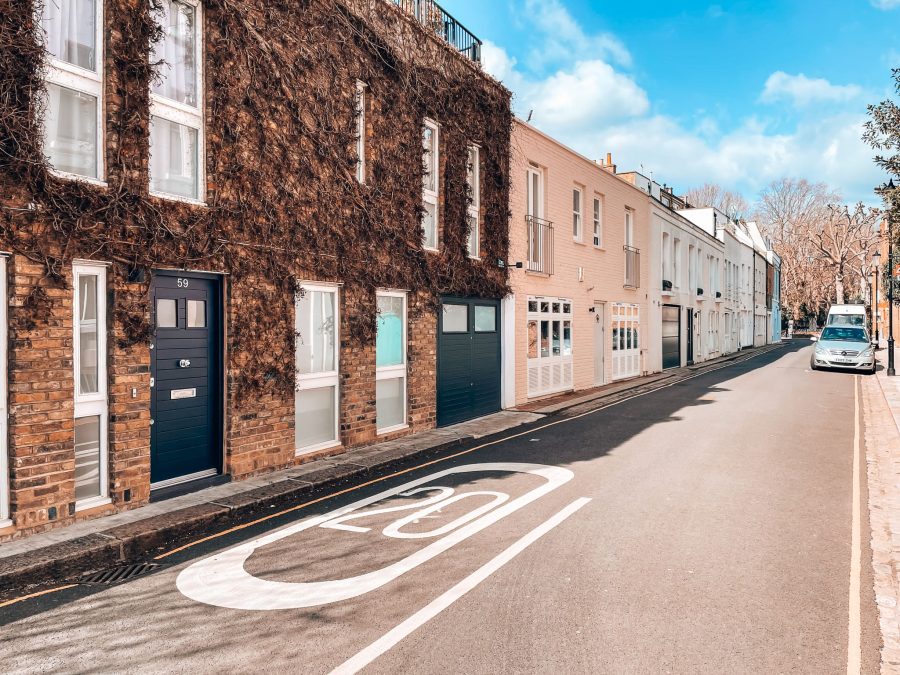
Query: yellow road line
x,y
35,595
353,488
405,471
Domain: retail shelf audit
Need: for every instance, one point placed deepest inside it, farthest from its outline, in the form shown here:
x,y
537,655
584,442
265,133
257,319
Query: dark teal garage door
x,y
468,373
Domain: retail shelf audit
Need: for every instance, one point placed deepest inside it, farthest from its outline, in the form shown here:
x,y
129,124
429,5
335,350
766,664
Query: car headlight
x,y
868,352
820,349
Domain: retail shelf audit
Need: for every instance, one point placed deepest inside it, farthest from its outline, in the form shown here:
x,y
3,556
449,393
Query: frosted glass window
x,y
390,407
177,51
567,338
166,314
174,161
456,318
429,158
88,358
485,319
196,313
316,413
429,225
87,457
389,338
316,344
70,130
70,27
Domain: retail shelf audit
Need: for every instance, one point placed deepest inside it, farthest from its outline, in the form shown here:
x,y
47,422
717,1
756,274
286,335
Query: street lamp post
x,y
890,191
876,265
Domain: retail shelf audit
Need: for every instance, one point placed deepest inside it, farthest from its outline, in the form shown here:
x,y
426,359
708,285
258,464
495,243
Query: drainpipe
x,y
753,300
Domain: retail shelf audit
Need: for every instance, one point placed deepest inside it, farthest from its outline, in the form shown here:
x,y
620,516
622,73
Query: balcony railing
x,y
434,18
632,267
540,245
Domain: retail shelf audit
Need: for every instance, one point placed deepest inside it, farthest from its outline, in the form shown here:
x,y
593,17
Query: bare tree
x,y
789,211
730,203
883,130
845,242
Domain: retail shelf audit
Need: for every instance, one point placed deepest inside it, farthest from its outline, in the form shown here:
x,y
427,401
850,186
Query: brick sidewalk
x,y
881,406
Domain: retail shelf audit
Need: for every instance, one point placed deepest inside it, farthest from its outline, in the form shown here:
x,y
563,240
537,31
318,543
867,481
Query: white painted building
x,y
686,293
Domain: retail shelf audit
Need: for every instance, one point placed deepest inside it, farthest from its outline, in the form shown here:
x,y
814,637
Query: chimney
x,y
608,165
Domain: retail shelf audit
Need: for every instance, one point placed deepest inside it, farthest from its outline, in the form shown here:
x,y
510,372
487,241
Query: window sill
x,y
475,258
91,503
65,175
389,430
7,522
667,294
599,248
318,447
177,198
579,242
429,249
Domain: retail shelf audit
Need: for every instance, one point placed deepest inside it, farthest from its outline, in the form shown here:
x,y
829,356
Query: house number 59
x,y
183,283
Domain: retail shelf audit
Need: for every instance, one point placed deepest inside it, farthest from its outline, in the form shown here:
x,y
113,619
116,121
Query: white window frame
x,y
629,227
399,371
361,132
676,268
474,208
310,381
4,415
96,404
180,113
598,221
89,82
555,372
431,196
578,215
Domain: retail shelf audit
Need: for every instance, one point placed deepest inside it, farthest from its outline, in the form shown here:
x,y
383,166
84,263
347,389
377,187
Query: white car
x,y
843,347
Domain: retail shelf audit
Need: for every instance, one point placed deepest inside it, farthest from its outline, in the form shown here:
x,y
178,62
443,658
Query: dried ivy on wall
x,y
283,202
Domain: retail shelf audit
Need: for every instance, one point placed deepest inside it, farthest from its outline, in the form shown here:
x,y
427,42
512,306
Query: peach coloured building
x,y
579,236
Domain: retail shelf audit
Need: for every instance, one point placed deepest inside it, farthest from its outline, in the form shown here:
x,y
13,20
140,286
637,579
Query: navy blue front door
x,y
186,399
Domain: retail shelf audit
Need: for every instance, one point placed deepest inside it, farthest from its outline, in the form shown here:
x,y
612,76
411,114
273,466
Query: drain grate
x,y
117,574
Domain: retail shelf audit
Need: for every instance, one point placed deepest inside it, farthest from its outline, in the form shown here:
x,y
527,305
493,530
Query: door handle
x,y
184,363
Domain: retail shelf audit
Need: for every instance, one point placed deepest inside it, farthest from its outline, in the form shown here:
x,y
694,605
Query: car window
x,y
846,320
844,334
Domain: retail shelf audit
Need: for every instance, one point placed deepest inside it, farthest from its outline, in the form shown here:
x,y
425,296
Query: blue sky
x,y
738,93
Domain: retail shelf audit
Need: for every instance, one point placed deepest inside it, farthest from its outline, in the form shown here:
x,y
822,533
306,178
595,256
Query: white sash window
x,y
176,104
91,412
473,179
431,184
317,397
390,362
73,129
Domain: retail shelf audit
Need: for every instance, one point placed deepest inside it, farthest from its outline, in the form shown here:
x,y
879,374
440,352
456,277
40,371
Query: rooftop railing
x,y
434,18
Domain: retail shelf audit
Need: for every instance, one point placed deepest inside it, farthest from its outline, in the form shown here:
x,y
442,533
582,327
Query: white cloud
x,y
802,90
886,4
587,102
562,36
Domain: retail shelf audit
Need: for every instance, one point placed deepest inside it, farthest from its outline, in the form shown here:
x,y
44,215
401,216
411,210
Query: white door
x,y
599,344
626,343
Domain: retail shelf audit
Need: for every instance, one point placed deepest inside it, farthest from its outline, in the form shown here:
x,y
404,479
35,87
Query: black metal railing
x,y
632,267
434,18
540,244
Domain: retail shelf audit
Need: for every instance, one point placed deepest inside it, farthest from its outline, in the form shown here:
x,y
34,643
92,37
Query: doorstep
x,y
87,546
555,404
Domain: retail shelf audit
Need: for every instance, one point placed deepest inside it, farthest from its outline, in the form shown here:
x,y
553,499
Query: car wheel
x,y
812,366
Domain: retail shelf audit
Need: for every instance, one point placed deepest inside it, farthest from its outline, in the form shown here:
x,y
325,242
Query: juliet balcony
x,y
436,19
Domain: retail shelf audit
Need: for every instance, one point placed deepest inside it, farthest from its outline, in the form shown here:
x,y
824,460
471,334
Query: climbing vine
x,y
282,200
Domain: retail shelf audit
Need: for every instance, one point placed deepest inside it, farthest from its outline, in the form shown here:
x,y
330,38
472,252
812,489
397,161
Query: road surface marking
x,y
35,595
854,648
442,602
358,486
222,580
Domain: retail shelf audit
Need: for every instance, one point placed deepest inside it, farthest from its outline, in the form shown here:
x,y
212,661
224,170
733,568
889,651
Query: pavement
x,y
710,526
30,563
881,406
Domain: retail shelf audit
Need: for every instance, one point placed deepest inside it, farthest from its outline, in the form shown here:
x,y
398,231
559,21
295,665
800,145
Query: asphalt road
x,y
705,527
